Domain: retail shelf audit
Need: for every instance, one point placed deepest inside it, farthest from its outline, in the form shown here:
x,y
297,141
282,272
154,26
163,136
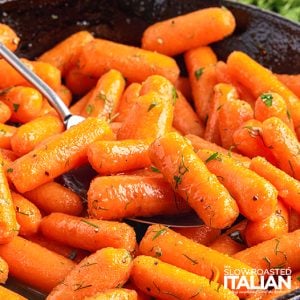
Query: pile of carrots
x,y
223,142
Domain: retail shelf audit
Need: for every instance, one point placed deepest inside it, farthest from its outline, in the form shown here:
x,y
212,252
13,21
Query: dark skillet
x,y
268,38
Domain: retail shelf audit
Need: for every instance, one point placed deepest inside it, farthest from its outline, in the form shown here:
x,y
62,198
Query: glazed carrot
x,y
128,98
9,226
280,252
260,80
59,155
232,115
117,197
25,103
32,133
288,187
231,241
185,119
185,171
65,94
291,81
35,265
283,144
5,112
150,117
294,220
99,56
270,105
255,196
88,234
10,295
78,106
199,143
195,29
271,227
47,109
222,94
27,214
8,155
120,294
110,157
105,98
200,64
183,85
105,269
8,37
115,127
3,270
248,141
64,54
140,294
203,234
53,197
167,282
173,248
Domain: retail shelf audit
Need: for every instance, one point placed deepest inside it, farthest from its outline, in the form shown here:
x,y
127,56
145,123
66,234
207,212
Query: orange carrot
x,y
53,197
231,241
5,112
10,295
78,106
195,29
283,144
294,220
59,155
255,196
140,294
35,265
280,252
65,94
173,248
8,156
8,37
105,98
105,269
202,75
110,157
117,197
47,109
203,234
165,281
9,226
88,234
183,85
271,227
260,80
120,294
232,115
27,214
3,270
64,54
291,81
288,187
184,170
99,56
32,133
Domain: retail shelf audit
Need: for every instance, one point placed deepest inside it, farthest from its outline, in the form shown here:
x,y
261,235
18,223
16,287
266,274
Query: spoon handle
x,y
37,82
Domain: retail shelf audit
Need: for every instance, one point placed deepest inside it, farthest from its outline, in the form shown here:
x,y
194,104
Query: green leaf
x,y
158,233
16,107
89,109
151,106
267,99
214,156
154,169
174,95
198,73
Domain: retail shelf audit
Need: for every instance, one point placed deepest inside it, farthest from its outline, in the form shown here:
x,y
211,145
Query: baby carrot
x,y
288,187
140,294
3,271
110,157
291,81
203,234
150,117
260,80
120,294
200,64
64,54
294,220
255,196
185,171
59,155
117,197
99,56
280,252
271,227
9,226
65,94
78,106
88,234
105,269
47,109
165,281
9,294
27,214
173,248
35,265
29,135
8,37
195,29
284,145
54,197
183,85
5,112
232,115
232,240
270,105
